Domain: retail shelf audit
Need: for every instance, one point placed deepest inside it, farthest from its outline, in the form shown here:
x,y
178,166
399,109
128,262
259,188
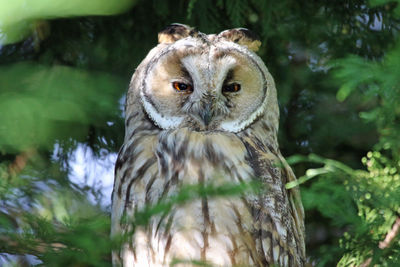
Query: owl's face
x,y
205,83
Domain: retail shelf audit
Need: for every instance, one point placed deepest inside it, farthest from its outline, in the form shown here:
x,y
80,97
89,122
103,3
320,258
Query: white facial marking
x,y
161,121
237,126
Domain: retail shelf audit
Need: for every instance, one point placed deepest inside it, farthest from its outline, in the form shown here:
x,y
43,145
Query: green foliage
x,y
377,195
336,66
378,82
367,203
50,219
375,192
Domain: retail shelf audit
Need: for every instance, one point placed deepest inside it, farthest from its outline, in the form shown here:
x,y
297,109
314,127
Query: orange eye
x,y
182,87
231,88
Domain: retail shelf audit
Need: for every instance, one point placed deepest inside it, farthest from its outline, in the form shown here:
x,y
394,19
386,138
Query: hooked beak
x,y
206,114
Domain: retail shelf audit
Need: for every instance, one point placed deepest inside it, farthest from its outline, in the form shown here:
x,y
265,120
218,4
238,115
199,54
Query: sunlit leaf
x,y
18,18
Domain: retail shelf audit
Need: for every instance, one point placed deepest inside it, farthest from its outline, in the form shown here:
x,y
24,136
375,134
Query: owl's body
x,y
202,110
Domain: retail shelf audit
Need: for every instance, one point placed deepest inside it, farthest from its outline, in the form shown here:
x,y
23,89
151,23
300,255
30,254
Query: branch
x,y
35,246
386,242
391,234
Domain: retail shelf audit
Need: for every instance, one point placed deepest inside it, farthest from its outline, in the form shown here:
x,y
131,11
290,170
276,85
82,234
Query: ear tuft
x,y
174,32
242,36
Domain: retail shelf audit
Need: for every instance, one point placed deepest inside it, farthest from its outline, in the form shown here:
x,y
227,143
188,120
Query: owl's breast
x,y
224,231
210,229
201,156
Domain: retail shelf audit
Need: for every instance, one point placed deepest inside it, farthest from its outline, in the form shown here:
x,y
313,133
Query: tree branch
x,y
391,234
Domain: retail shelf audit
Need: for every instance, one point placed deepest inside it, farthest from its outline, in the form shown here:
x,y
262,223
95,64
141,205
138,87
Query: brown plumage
x,y
202,109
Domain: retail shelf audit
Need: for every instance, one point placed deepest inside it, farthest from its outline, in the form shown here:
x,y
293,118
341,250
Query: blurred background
x,y
65,67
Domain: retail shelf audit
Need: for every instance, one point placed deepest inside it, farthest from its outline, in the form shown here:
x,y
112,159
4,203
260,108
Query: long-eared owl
x,y
202,109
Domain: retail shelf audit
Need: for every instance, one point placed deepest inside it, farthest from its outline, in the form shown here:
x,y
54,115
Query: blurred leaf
x,y
35,100
18,17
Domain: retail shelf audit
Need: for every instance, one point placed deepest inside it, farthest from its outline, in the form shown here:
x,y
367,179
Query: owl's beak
x,y
206,113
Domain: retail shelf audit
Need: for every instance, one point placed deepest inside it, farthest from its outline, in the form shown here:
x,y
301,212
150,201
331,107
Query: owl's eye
x,y
182,87
231,88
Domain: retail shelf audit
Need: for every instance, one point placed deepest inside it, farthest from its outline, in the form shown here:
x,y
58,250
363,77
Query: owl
x,y
202,109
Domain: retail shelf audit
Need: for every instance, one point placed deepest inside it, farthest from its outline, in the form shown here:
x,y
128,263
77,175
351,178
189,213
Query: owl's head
x,y
205,82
